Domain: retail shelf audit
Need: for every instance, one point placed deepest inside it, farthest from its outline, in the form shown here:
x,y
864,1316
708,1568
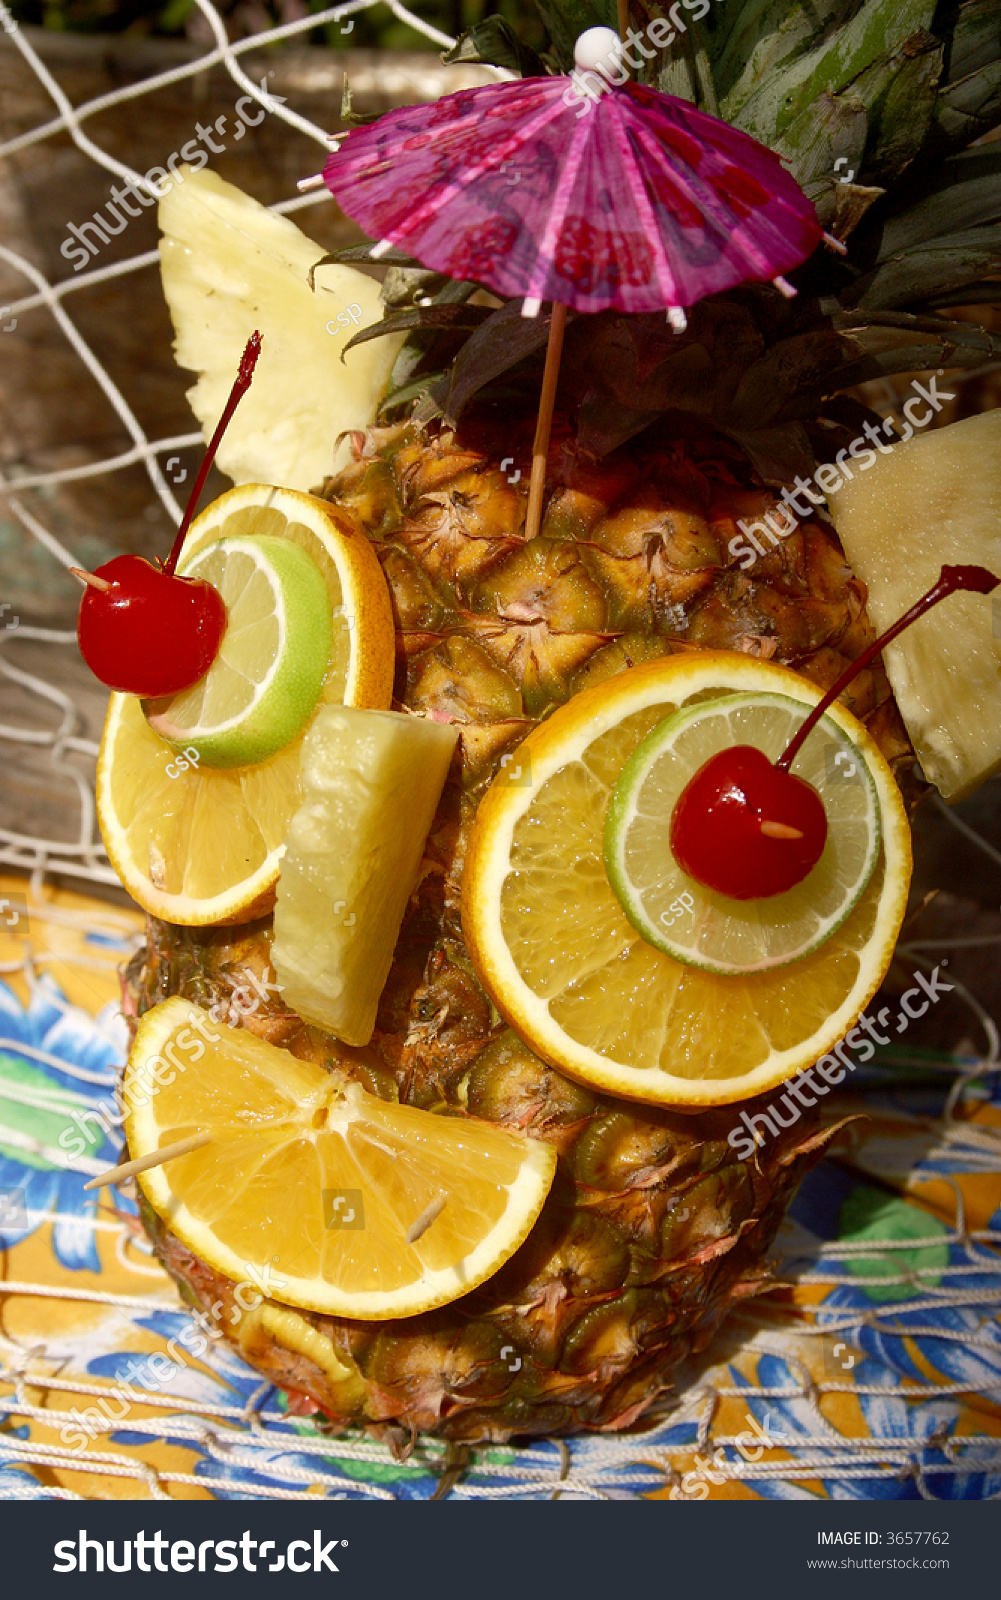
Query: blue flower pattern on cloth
x,y
57,1081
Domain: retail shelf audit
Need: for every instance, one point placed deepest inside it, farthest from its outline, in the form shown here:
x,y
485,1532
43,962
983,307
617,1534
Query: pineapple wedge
x,y
229,265
932,501
371,783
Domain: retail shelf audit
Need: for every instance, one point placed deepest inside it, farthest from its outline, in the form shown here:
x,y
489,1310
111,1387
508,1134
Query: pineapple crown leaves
x,y
873,87
354,119
431,308
756,367
494,40
893,92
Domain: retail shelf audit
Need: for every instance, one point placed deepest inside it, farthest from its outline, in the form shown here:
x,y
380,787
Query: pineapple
x,y
662,445
942,493
229,265
654,1227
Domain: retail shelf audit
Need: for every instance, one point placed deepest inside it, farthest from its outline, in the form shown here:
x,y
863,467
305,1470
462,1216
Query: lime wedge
x,y
696,925
371,784
267,677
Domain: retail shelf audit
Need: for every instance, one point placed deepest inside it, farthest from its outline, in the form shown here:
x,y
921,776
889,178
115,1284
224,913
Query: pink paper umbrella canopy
x,y
639,204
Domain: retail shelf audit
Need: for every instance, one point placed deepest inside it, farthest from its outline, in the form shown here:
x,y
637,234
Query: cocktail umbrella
x,y
630,200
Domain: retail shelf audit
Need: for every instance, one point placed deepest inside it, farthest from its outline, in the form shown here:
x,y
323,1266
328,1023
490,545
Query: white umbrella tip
x,y
595,46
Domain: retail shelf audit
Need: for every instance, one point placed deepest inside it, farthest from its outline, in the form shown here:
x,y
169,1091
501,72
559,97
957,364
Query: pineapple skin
x,y
654,1228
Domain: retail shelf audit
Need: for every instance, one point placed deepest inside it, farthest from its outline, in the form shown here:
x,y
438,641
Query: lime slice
x,y
695,925
566,968
267,677
371,784
195,844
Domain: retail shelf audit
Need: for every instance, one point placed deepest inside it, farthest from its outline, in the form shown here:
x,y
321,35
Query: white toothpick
x,y
157,866
314,181
380,249
531,307
785,288
676,317
835,244
427,1216
156,1158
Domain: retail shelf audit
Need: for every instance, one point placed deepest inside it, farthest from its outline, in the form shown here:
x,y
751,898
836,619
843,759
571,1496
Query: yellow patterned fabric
x,y
873,1370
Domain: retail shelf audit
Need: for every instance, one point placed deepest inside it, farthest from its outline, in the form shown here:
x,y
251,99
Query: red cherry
x,y
143,630
746,829
149,633
749,828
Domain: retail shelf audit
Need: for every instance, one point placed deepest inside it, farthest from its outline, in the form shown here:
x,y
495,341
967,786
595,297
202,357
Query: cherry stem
x,y
950,579
248,362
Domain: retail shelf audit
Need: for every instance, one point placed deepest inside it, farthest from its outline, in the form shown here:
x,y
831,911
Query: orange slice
x,y
335,1200
562,962
197,845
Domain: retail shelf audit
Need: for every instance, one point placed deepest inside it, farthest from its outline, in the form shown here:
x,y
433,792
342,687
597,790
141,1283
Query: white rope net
x,y
247,1448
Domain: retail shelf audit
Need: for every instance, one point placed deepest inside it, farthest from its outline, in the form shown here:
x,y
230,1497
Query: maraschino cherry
x,y
142,629
748,827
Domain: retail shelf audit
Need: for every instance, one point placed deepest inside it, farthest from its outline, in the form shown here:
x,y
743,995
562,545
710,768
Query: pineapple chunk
x,y
934,501
229,266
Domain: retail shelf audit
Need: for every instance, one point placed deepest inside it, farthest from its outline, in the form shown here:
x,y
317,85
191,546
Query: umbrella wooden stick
x,y
623,11
156,1158
540,449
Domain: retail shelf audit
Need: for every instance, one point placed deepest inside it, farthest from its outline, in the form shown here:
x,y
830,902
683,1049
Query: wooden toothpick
x,y
780,830
91,579
157,866
156,1158
427,1216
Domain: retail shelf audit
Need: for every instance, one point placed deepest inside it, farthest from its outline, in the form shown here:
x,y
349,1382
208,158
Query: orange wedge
x,y
334,1199
565,966
197,845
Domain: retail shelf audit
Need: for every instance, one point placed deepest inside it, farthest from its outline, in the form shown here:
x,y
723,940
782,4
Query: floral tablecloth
x,y
872,1371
